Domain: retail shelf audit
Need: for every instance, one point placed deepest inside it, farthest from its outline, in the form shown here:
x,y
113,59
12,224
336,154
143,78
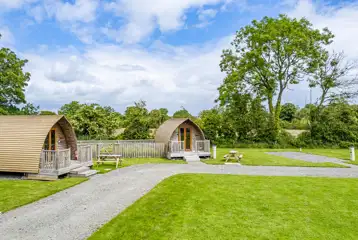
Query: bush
x,y
295,124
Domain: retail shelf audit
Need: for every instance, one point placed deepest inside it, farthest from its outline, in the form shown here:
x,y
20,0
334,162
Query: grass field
x,y
15,193
200,206
258,157
109,166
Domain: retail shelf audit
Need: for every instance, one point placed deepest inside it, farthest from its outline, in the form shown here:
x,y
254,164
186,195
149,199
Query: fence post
x,y
90,153
98,151
352,153
56,160
214,151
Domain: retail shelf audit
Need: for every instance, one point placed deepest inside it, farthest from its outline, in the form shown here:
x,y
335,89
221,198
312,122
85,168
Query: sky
x,y
165,52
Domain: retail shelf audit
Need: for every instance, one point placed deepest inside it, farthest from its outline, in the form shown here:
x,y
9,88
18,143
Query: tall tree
x,y
92,120
164,114
211,122
29,109
182,113
157,117
46,112
269,55
338,124
13,80
70,109
136,121
288,112
336,77
247,118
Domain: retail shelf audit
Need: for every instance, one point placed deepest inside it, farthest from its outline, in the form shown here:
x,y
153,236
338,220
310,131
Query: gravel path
x,y
309,157
77,212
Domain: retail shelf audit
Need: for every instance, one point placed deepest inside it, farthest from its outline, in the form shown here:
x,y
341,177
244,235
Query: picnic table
x,y
233,155
103,158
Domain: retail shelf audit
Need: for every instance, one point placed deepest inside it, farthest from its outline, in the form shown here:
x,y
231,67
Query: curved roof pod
x,y
165,131
22,139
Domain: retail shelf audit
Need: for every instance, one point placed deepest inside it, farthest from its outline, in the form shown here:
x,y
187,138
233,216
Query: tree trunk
x,y
273,118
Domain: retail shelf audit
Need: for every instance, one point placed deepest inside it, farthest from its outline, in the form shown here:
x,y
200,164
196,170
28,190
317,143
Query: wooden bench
x,y
233,155
103,158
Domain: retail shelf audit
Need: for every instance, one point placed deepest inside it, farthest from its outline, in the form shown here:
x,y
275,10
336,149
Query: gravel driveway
x,y
77,212
309,157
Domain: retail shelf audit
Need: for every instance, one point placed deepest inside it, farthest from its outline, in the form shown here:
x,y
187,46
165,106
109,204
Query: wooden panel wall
x,y
61,142
130,149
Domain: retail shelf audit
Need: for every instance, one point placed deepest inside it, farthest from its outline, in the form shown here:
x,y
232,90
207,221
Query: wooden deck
x,y
200,148
54,163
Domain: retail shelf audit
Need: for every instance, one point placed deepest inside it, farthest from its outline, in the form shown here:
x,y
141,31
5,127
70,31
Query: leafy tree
x,y
92,120
13,80
288,112
335,78
46,112
29,109
157,117
136,121
337,125
247,117
182,113
268,56
70,109
164,115
211,121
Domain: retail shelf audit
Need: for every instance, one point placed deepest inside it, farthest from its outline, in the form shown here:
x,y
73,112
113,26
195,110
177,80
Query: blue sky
x,y
166,52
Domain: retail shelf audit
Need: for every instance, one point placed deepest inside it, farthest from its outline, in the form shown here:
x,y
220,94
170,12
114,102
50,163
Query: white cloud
x,y
7,39
84,33
205,16
13,4
77,17
163,75
80,10
37,12
144,16
341,19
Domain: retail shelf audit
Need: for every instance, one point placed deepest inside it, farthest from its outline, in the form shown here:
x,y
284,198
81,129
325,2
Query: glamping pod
x,y
38,145
183,138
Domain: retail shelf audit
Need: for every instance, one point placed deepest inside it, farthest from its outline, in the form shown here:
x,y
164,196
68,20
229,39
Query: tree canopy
x,y
92,120
13,80
269,55
288,112
182,113
266,58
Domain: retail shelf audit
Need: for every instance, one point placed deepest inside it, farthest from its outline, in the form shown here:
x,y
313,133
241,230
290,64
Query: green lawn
x,y
258,157
203,206
15,193
336,153
109,166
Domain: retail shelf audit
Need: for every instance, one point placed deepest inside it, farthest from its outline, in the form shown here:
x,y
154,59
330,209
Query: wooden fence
x,y
84,153
139,149
86,142
129,148
55,159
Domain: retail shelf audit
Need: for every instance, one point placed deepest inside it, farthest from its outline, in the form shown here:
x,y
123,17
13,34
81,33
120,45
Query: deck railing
x,y
84,153
176,146
198,146
202,146
55,159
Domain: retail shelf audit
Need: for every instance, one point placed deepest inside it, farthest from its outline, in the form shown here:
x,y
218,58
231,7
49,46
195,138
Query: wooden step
x,y
79,170
192,158
42,177
87,173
